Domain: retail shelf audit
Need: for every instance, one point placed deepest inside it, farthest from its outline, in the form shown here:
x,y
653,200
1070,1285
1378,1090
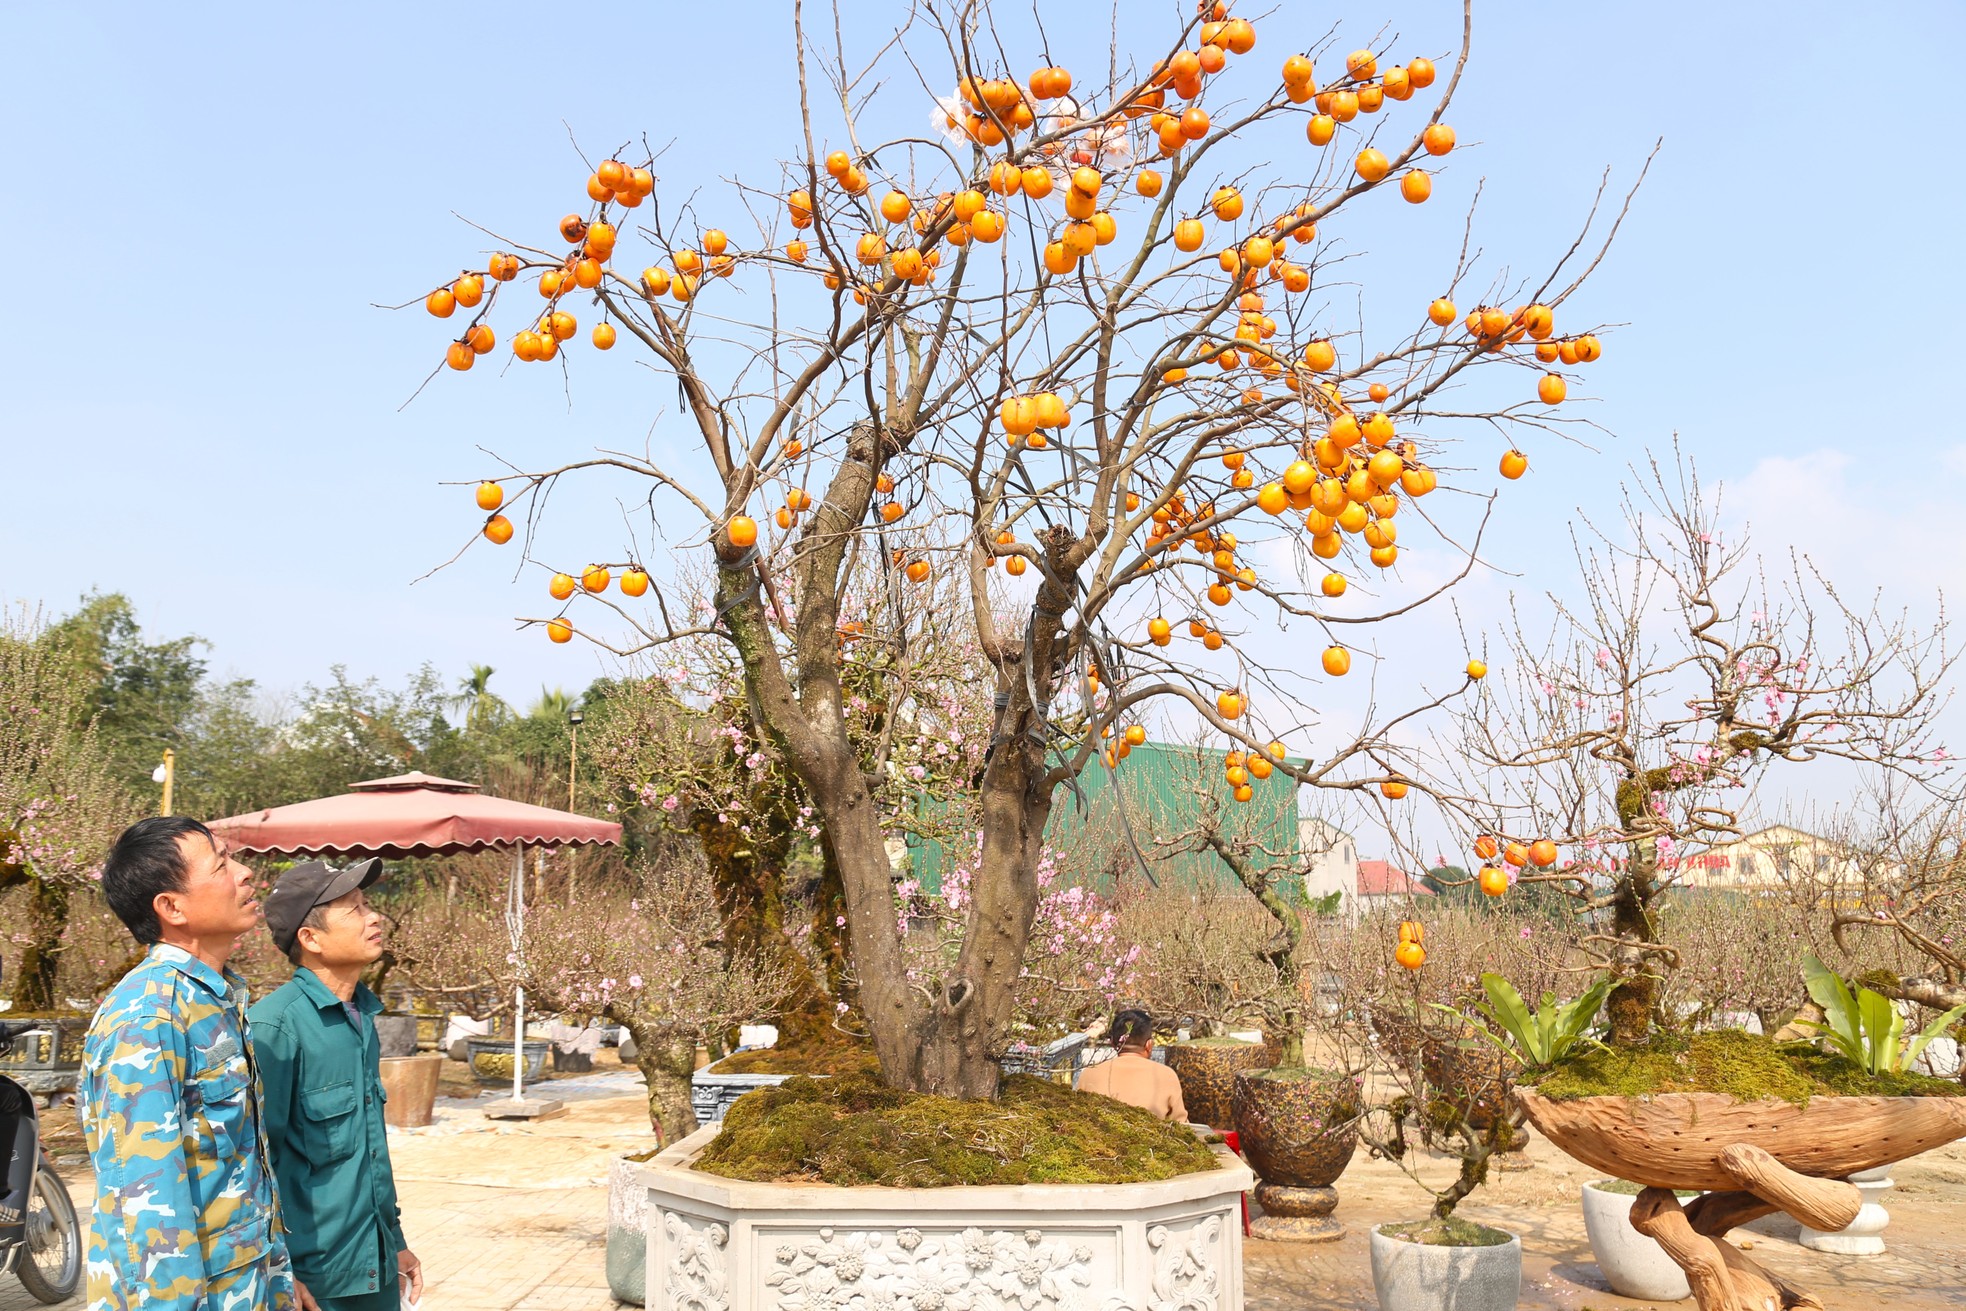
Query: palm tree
x,y
482,709
552,706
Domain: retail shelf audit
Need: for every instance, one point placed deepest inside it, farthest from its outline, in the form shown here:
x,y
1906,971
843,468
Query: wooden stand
x,y
1723,1278
1757,1158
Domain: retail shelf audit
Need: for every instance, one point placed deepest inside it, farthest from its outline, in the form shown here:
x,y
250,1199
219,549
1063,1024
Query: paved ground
x,y
513,1218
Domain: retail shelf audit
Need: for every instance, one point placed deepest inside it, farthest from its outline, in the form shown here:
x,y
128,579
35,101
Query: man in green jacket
x,y
319,1059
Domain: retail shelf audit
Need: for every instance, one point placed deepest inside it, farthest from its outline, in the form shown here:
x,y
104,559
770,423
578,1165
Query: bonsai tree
x,y
60,807
645,953
1632,735
1911,889
911,362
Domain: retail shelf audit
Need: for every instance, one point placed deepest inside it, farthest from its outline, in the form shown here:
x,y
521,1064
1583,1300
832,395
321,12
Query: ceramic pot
x,y
1208,1068
1633,1264
409,1089
1412,1276
1298,1130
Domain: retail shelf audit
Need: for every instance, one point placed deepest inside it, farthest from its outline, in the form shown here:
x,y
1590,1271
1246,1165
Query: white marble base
x,y
1862,1236
727,1245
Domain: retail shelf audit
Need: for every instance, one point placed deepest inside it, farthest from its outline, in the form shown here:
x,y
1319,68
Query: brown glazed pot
x,y
1208,1069
1297,1129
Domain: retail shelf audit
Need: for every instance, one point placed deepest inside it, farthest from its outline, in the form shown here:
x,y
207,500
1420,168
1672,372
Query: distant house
x,y
1330,859
1767,860
1380,883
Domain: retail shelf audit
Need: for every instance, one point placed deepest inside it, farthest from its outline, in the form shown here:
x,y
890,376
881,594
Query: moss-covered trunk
x,y
1633,1000
748,873
40,958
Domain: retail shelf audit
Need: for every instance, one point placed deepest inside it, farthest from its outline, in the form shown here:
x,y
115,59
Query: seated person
x,y
1134,1076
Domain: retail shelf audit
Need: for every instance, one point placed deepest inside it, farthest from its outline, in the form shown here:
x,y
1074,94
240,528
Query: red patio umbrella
x,y
409,815
421,815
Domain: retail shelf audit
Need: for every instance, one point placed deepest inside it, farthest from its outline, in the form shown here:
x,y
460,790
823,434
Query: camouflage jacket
x,y
171,1109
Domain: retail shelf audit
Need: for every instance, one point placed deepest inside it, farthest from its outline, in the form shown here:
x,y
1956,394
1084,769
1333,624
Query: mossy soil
x,y
821,1058
1217,1042
1745,1066
1451,1232
1626,1188
853,1130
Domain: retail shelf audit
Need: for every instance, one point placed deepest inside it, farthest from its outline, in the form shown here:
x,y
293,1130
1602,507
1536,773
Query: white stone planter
x,y
1633,1264
1419,1277
727,1245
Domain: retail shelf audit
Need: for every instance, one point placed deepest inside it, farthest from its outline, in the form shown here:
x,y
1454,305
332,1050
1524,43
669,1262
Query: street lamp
x,y
166,774
574,720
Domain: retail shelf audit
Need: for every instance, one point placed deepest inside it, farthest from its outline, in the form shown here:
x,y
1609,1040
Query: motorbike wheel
x,y
50,1261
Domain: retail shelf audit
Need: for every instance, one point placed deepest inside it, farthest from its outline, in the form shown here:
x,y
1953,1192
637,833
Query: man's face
x,y
217,899
351,933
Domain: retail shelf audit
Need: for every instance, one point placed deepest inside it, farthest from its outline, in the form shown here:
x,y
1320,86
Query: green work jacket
x,y
324,1122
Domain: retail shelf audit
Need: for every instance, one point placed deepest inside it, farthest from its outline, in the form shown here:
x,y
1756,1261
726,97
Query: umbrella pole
x,y
517,929
518,1108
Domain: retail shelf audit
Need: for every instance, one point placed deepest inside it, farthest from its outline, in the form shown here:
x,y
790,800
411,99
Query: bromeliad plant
x,y
1544,1036
1866,1026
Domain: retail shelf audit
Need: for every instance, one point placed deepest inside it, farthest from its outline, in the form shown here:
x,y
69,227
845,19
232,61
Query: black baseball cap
x,y
310,884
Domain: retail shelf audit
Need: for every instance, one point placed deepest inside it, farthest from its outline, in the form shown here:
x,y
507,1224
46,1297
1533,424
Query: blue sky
x,y
204,407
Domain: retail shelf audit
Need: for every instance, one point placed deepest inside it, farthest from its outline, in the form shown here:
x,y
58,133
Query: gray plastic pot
x,y
1634,1265
1419,1277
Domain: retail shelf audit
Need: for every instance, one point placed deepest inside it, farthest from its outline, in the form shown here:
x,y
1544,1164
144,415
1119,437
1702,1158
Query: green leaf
x,y
1935,1029
1579,1014
1882,1026
1507,1008
1841,1024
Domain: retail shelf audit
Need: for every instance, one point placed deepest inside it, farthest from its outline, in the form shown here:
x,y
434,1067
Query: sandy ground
x,y
512,1217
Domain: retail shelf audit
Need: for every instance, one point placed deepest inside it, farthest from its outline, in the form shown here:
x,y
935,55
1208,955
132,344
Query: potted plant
x,y
1444,1261
828,625
1619,750
1759,1124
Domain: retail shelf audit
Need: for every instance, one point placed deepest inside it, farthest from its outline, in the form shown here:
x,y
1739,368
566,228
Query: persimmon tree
x,y
1069,352
1641,727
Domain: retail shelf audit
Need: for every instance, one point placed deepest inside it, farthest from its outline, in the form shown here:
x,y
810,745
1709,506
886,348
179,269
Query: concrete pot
x,y
711,1094
627,1254
1863,1236
491,1059
396,1035
409,1088
718,1244
1633,1264
1420,1277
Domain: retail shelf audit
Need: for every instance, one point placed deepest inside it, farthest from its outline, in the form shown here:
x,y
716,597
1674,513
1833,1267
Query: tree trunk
x,y
748,873
1633,1000
47,921
966,1028
666,1061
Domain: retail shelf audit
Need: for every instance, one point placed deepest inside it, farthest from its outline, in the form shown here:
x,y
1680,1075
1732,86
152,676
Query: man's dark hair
x,y
144,862
1131,1028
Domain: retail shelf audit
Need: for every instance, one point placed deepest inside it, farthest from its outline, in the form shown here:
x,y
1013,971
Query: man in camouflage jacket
x,y
186,1217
